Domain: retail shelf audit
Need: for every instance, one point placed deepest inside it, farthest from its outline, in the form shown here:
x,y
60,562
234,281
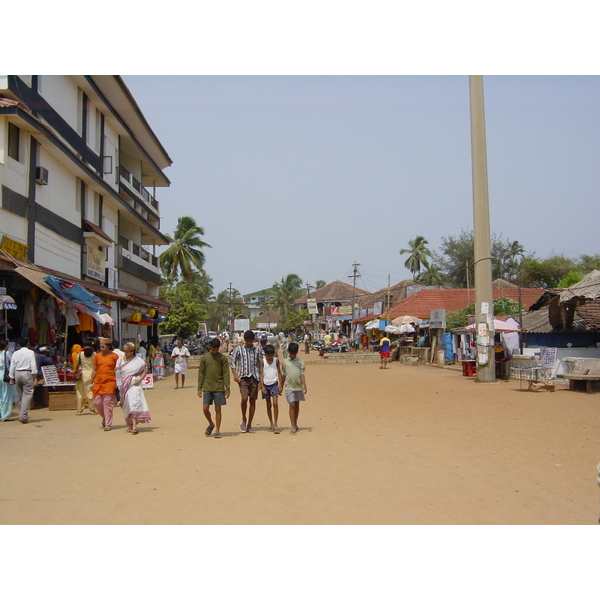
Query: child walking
x,y
270,376
294,383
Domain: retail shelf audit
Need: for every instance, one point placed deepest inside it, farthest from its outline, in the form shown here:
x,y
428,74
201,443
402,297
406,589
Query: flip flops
x,y
209,430
243,428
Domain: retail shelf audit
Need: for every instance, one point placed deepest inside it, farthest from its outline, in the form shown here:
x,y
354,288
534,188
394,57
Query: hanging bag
x,y
77,374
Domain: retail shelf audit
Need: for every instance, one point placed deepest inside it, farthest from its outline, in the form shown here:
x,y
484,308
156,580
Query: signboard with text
x,y
437,319
95,263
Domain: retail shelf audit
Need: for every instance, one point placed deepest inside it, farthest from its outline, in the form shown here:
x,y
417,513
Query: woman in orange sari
x,y
104,382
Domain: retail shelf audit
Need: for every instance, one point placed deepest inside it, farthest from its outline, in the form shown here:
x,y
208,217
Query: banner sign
x,y
95,264
14,248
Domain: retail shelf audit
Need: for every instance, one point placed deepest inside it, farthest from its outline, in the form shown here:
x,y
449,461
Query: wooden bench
x,y
582,369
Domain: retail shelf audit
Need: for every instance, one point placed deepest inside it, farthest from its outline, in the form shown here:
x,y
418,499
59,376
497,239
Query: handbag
x,y
6,377
77,374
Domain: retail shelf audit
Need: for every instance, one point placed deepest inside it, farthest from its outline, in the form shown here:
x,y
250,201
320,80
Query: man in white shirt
x,y
180,354
23,374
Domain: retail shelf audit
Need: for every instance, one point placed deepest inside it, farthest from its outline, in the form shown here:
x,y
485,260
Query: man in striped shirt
x,y
245,366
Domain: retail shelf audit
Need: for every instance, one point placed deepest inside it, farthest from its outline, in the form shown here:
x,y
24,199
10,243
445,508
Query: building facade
x,y
79,170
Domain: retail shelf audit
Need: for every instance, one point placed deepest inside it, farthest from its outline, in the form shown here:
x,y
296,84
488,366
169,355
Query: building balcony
x,y
145,199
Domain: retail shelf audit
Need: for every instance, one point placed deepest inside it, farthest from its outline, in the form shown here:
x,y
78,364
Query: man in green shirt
x,y
213,384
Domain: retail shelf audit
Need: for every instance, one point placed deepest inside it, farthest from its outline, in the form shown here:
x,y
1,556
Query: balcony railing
x,y
126,246
138,187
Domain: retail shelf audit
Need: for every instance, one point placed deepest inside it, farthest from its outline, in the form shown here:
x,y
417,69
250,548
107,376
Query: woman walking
x,y
133,370
8,393
104,382
83,367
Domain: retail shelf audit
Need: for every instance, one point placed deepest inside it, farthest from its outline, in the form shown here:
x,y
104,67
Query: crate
x,y
62,401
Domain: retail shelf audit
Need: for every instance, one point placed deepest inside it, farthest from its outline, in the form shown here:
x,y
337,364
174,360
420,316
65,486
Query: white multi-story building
x,y
79,168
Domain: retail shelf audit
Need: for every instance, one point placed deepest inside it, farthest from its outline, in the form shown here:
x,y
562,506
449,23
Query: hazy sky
x,y
309,174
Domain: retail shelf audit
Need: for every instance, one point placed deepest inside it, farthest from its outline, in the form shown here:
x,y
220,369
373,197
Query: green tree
x,y
226,305
571,278
418,253
588,263
295,319
460,318
285,292
199,284
184,316
431,276
184,256
319,283
547,273
457,257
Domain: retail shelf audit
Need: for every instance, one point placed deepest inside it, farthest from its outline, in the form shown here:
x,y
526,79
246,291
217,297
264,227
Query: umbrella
x,y
499,326
7,302
405,320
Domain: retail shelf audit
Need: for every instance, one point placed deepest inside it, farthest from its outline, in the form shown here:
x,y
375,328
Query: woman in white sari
x,y
132,371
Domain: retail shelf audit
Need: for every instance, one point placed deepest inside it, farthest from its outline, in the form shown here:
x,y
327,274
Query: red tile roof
x,y
424,301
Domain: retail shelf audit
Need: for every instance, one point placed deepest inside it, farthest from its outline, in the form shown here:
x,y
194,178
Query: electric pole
x,y
484,300
354,276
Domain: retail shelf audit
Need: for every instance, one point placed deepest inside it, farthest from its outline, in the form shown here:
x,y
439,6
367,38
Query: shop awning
x,y
37,278
75,294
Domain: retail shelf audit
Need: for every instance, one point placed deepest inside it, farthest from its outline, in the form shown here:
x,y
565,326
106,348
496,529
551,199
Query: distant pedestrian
x,y
213,385
246,373
294,383
180,353
307,343
384,351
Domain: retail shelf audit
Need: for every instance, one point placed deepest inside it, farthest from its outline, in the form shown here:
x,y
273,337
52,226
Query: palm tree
x,y
432,275
199,284
184,255
223,307
418,254
319,283
285,292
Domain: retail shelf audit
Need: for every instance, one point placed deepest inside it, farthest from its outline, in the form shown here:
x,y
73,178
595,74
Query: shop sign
x,y
437,319
96,264
377,308
14,248
311,304
113,282
344,311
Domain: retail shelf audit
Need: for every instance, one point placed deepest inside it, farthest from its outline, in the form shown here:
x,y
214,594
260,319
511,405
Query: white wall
x,y
55,252
60,91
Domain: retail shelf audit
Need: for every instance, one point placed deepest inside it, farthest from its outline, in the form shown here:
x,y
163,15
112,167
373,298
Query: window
x,y
98,140
14,139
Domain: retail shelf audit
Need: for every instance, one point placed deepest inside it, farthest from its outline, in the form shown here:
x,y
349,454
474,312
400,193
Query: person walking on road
x,y
23,374
213,385
245,366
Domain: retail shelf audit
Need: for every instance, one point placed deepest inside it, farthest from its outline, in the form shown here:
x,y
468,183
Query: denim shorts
x,y
218,397
272,390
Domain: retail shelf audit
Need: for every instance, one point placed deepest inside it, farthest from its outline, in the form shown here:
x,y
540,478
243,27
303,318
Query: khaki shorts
x,y
249,388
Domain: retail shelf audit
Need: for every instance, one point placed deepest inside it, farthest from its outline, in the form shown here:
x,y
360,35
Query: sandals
x,y
217,436
209,430
134,431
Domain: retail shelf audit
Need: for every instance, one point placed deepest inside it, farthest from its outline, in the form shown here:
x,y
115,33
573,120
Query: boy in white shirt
x,y
270,378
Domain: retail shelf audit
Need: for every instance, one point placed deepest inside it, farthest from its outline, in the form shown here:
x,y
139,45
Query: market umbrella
x,y
406,320
499,326
7,303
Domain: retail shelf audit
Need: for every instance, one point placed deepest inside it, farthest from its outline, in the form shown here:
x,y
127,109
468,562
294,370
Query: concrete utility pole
x,y
354,276
484,300
229,325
